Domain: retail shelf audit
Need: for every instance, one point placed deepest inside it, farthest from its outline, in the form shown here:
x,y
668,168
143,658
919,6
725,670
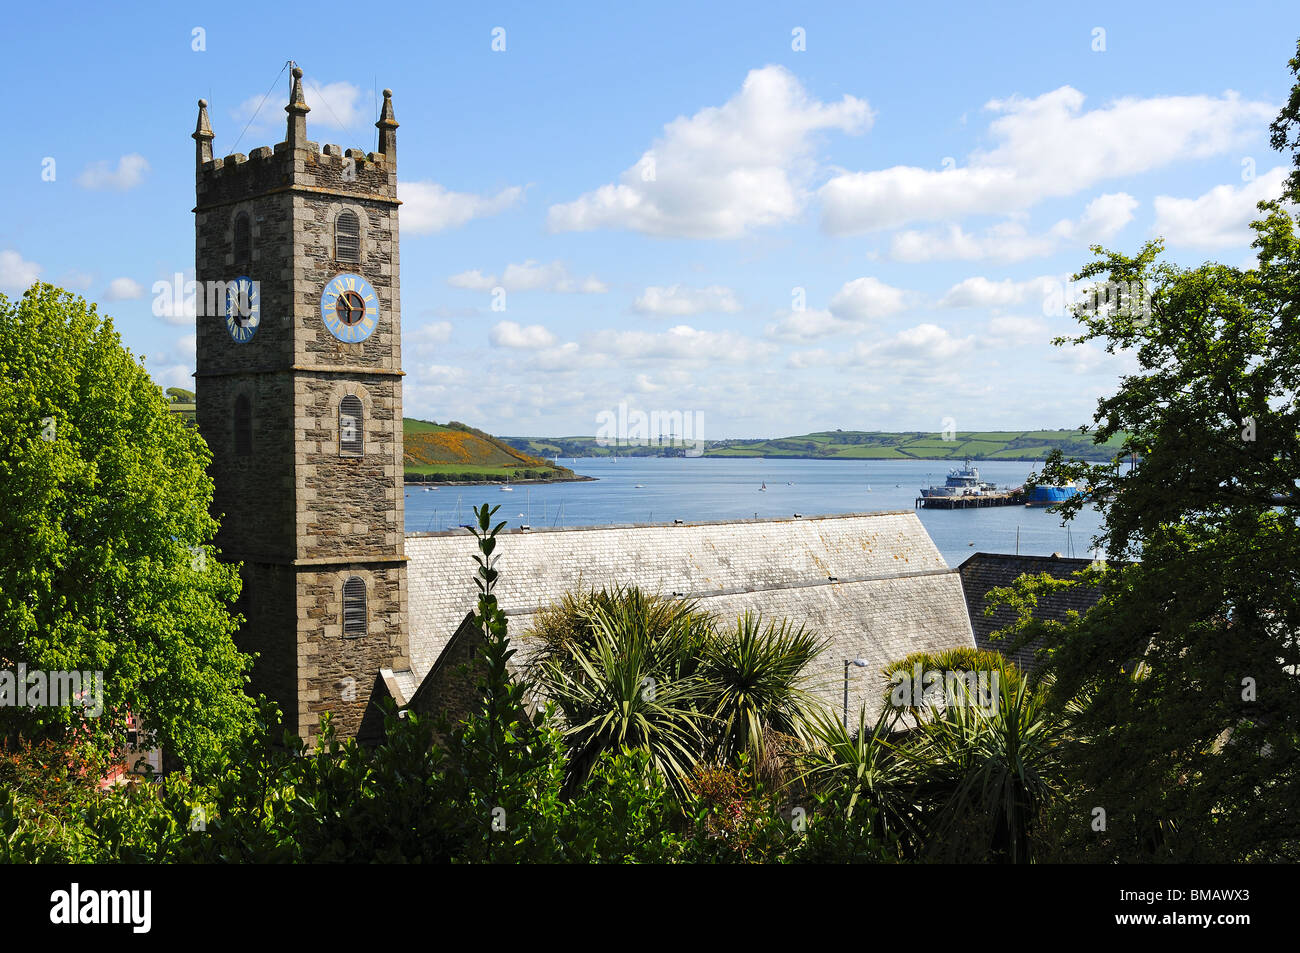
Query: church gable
x,y
874,584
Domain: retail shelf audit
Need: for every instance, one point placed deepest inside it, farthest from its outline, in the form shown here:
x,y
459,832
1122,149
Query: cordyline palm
x,y
556,630
629,685
756,679
987,771
863,766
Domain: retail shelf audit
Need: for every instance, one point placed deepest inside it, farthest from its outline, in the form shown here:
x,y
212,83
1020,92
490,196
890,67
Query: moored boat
x,y
963,481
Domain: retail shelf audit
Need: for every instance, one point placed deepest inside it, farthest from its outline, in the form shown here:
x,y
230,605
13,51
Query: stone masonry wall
x,y
305,517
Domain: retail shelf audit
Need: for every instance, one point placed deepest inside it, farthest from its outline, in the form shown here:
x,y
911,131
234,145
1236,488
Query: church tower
x,y
299,393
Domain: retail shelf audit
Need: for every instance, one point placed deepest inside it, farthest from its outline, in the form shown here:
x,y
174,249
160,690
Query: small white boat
x,y
639,486
763,488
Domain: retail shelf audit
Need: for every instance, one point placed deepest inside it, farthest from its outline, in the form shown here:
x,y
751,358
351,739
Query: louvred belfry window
x,y
347,237
243,239
354,607
243,426
351,429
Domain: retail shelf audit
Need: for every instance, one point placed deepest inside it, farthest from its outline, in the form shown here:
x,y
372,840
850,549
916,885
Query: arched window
x,y
351,427
354,607
243,239
243,426
347,237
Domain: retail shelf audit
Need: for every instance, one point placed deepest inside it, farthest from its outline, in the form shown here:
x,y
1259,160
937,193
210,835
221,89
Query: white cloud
x,y
724,171
124,289
923,344
440,375
852,309
186,345
428,207
562,357
682,343
1015,331
129,173
473,281
513,335
810,325
1004,242
865,299
817,357
174,375
334,105
16,273
337,107
1102,218
1088,358
530,276
1046,147
678,302
175,366
1221,217
981,292
427,337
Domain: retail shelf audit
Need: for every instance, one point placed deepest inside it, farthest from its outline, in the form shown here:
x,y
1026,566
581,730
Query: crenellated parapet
x,y
297,163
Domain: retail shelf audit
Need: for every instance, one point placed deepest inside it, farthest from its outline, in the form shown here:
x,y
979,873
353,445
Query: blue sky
x,y
653,184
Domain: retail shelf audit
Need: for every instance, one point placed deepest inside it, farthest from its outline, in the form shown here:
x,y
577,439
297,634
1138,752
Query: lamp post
x,y
860,663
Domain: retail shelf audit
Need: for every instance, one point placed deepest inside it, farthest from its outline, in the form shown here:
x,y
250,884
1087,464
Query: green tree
x,y
1184,674
106,562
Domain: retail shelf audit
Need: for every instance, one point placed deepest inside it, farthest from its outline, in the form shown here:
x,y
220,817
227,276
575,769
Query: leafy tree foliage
x,y
106,562
1186,729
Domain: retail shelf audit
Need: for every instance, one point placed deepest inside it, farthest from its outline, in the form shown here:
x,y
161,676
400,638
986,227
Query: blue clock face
x,y
243,309
350,308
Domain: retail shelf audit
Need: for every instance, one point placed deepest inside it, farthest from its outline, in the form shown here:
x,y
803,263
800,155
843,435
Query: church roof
x,y
873,583
982,572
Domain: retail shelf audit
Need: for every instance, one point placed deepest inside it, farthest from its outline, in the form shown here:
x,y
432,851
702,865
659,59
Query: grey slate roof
x,y
984,571
893,593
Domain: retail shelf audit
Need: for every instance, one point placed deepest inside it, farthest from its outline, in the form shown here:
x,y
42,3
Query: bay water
x,y
662,489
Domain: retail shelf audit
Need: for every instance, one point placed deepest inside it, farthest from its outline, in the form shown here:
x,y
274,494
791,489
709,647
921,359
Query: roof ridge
x,y
683,523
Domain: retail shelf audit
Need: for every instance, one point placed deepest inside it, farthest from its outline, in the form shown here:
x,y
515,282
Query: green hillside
x,y
456,453
980,445
853,445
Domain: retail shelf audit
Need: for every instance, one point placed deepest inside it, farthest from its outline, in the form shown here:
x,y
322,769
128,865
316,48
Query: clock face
x,y
350,308
243,309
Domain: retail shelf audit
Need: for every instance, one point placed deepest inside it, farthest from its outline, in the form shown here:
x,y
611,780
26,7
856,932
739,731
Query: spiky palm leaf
x,y
988,770
757,677
628,686
866,764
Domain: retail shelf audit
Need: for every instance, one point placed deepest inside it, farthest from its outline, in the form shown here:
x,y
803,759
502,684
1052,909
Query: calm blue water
x,y
719,488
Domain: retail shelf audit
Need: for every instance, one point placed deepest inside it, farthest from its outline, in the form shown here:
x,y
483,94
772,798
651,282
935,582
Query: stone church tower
x,y
299,384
